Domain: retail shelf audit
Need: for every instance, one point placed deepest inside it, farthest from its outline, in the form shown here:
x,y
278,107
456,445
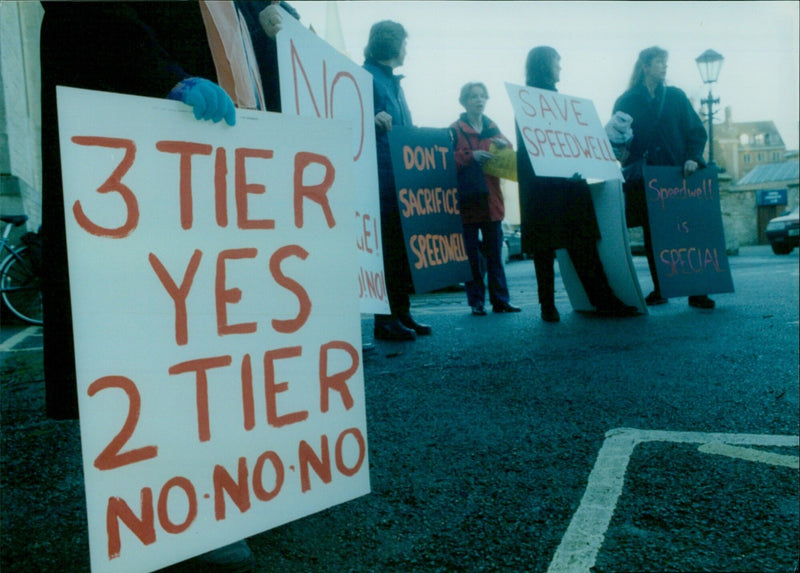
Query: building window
x,y
760,157
776,156
746,158
743,139
760,139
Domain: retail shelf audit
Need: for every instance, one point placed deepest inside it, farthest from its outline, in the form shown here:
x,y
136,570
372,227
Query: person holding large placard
x,y
558,212
175,50
666,131
150,49
474,134
385,51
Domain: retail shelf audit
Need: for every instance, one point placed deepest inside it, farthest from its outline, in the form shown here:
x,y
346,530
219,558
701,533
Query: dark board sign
x,y
686,229
425,180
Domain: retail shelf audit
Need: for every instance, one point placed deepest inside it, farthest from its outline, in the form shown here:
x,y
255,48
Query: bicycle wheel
x,y
21,287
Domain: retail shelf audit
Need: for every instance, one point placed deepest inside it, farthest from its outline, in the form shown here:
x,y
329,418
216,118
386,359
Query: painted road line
x,y
584,537
751,455
9,344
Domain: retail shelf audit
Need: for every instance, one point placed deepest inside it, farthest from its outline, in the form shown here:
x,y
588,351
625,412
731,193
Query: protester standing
x,y
558,212
666,131
474,134
386,51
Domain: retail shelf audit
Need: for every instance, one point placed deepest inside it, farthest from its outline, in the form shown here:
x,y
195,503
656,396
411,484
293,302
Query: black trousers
x,y
397,271
586,260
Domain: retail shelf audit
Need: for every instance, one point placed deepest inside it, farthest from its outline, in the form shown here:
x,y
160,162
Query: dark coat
x,y
137,48
666,131
672,137
265,48
554,211
387,96
466,140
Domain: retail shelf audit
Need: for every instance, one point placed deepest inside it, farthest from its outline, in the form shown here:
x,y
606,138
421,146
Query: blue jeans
x,y
492,248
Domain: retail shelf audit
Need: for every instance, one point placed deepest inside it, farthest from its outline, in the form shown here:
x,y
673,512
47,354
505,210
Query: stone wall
x,y
20,111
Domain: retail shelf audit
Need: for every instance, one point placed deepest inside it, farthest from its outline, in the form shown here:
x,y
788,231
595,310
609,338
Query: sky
x,y
453,42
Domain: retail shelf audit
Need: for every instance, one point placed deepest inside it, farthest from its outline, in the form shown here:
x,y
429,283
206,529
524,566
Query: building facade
x,y
739,147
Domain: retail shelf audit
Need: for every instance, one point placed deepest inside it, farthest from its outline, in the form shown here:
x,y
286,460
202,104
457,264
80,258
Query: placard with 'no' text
x,y
316,80
216,321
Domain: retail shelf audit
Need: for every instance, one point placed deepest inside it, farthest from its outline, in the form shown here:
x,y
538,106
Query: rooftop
x,y
769,172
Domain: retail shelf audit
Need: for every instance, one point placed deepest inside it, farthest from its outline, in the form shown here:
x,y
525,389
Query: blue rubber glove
x,y
208,100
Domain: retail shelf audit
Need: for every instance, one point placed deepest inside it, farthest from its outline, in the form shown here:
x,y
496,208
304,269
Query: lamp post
x,y
709,63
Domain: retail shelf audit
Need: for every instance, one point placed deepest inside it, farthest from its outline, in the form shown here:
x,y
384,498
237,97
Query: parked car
x,y
784,232
512,242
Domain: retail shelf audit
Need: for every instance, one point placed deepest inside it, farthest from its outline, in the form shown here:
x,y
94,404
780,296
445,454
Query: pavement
x,y
666,442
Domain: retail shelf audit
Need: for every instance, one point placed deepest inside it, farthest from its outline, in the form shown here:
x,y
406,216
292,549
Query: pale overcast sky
x,y
453,42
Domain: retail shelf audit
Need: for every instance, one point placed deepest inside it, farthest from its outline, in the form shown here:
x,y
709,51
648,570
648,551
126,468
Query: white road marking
x,y
578,549
12,341
751,455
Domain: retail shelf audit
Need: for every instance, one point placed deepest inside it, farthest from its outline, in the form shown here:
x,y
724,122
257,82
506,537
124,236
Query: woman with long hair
x,y
558,212
666,131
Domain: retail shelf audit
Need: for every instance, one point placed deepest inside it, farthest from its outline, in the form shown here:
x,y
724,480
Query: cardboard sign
x,y
319,81
686,230
563,134
217,332
613,248
427,194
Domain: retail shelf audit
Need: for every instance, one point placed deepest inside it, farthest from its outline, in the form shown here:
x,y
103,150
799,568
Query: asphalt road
x,y
666,442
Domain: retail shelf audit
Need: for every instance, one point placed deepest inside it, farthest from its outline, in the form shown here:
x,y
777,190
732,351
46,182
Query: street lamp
x,y
709,63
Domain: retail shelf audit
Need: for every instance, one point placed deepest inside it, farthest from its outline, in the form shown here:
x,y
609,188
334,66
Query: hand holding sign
x,y
208,100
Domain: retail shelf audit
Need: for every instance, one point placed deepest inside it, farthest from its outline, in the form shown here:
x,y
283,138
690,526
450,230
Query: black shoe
x,y
654,299
234,558
505,307
701,301
616,308
550,313
478,310
618,311
408,322
393,330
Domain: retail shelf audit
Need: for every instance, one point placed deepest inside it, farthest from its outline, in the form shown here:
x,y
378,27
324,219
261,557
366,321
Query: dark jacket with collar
x,y
387,96
665,127
136,48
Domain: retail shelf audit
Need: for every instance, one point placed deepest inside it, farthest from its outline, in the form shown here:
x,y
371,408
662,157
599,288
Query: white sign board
x,y
317,80
563,134
217,332
613,248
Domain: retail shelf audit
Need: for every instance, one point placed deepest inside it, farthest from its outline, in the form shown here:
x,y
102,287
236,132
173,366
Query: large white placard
x,y
317,80
613,248
217,327
563,134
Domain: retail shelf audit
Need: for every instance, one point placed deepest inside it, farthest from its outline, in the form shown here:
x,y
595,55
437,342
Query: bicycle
x,y
20,281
